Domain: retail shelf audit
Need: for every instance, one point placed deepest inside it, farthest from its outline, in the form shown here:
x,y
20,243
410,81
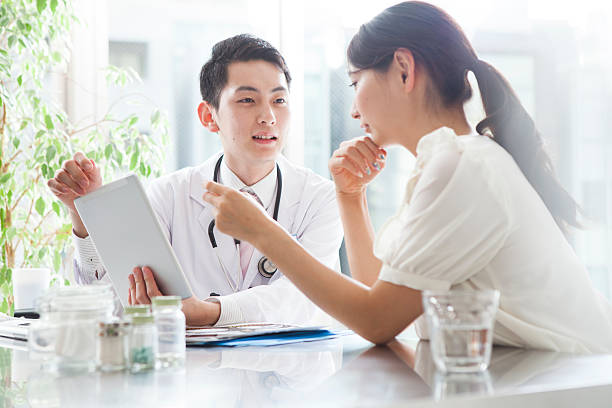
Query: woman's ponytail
x,y
512,127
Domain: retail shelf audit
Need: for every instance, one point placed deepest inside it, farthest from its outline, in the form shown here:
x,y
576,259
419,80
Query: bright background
x,y
557,55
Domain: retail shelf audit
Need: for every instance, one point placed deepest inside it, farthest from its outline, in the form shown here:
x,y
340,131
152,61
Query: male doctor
x,y
245,92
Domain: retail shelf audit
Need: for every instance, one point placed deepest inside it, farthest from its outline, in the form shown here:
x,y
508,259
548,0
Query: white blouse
x,y
471,220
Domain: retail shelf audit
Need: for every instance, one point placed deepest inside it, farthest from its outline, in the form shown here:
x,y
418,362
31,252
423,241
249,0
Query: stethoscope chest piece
x,y
266,267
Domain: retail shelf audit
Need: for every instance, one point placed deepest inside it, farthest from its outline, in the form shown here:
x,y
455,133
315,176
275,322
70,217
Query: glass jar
x,y
142,343
65,335
170,322
112,347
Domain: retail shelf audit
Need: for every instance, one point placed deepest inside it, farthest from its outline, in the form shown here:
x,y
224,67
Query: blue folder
x,y
274,339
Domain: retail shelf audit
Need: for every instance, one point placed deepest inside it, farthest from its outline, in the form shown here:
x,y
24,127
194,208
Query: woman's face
x,y
379,105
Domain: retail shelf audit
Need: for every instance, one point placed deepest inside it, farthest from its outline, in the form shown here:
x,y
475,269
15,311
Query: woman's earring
x,y
404,77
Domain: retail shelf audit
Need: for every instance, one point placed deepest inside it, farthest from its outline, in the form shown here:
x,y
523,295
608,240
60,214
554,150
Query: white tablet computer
x,y
126,232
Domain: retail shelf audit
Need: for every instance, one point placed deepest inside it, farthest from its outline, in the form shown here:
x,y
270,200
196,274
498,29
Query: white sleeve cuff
x,y
88,261
412,280
230,310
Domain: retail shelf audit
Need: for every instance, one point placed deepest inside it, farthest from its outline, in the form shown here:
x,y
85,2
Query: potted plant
x,y
36,137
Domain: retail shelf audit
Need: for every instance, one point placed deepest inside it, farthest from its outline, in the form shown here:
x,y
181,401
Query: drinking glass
x,y
461,328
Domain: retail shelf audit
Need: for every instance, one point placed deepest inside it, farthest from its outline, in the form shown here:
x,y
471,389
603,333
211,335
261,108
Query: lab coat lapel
x,y
225,244
230,257
226,249
292,191
252,271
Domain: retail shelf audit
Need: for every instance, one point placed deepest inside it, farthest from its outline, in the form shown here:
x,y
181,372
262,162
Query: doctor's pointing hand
x,y
236,214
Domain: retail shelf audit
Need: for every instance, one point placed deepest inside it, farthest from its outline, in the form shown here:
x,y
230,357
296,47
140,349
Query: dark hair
x,y
440,47
242,47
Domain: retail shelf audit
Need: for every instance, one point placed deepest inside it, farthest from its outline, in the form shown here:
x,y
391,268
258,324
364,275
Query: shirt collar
x,y
264,188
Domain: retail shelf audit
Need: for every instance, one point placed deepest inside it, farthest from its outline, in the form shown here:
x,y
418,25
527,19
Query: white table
x,y
343,372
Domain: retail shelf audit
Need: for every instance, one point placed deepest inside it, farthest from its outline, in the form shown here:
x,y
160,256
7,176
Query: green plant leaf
x,y
41,5
48,122
57,57
40,206
143,169
56,208
5,289
51,151
133,121
5,178
42,252
11,41
24,124
108,150
119,157
53,5
57,260
16,142
39,134
44,169
155,117
133,160
20,80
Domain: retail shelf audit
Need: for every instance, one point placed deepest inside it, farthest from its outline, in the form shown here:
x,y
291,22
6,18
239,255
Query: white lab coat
x,y
308,211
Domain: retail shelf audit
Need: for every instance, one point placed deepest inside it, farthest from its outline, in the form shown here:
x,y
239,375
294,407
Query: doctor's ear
x,y
205,114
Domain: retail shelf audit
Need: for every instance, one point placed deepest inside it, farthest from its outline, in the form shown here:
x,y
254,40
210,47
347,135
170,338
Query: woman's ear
x,y
403,67
205,114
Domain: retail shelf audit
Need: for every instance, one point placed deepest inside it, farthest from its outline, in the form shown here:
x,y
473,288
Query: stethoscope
x,y
265,267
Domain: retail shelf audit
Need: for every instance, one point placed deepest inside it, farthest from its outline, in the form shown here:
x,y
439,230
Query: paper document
x,y
259,334
14,328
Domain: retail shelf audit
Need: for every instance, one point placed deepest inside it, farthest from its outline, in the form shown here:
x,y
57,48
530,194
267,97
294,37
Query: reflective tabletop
x,y
346,371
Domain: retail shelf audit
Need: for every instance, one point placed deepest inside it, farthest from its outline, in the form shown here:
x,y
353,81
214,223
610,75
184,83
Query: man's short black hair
x,y
242,47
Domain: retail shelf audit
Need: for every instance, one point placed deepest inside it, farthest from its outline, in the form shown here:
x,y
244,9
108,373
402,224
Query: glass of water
x,y
461,328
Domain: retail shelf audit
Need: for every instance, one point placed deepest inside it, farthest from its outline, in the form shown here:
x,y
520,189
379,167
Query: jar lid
x,y
136,309
93,297
140,319
166,301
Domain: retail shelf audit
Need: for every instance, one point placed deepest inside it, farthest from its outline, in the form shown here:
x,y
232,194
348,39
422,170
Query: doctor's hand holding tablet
x,y
79,177
76,178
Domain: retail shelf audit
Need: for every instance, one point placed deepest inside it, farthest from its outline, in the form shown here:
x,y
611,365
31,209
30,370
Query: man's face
x,y
253,115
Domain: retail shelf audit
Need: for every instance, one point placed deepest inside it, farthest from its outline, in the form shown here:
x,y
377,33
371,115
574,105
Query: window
x,y
555,56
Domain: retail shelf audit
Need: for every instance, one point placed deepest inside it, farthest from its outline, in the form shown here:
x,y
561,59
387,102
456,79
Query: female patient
x,y
482,208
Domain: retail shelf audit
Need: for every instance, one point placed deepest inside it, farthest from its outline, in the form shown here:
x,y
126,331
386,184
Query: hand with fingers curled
x,y
143,288
236,214
77,177
355,163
